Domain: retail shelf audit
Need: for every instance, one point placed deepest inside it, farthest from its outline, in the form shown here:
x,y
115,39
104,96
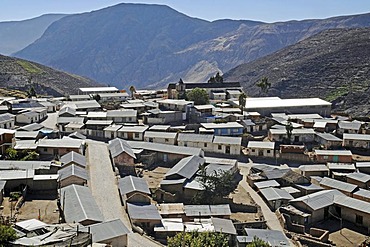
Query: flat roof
x,y
275,102
333,152
97,89
266,184
261,144
360,137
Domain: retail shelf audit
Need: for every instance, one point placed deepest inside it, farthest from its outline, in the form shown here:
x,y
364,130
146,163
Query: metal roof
x,y
117,146
276,102
164,148
329,137
272,194
309,187
6,117
73,157
138,128
339,185
341,166
362,193
160,127
16,174
130,184
359,137
175,102
223,225
318,200
212,168
173,181
207,210
26,134
266,184
352,203
194,184
31,224
228,140
290,189
108,230
189,137
65,143
221,161
272,237
323,168
67,109
359,176
282,131
221,125
79,204
113,128
99,122
260,144
362,164
77,135
122,113
186,167
98,89
160,134
72,170
171,208
355,125
145,212
304,116
66,120
333,152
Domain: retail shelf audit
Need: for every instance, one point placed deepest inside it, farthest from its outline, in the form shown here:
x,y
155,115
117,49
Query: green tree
x,y
264,84
133,91
289,129
257,242
216,185
31,92
198,239
30,155
216,79
7,234
11,154
242,101
97,97
198,95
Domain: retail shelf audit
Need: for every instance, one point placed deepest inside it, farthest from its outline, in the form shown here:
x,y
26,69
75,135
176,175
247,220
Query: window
x,y
219,147
137,135
359,219
268,151
205,145
166,140
253,150
45,149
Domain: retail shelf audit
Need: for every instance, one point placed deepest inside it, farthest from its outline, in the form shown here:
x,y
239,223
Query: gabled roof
x,y
272,194
355,125
359,176
189,137
266,184
339,185
145,212
318,167
221,125
186,167
72,170
130,184
160,134
108,230
117,146
228,140
328,137
79,204
261,144
352,203
122,113
73,157
67,109
60,143
319,199
272,237
223,225
159,147
333,152
6,117
360,137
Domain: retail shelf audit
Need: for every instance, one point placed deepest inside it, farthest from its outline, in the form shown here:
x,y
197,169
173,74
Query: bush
x,y
7,234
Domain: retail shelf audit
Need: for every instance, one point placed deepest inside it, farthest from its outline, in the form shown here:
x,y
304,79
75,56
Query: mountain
x,y
16,35
21,75
151,45
333,65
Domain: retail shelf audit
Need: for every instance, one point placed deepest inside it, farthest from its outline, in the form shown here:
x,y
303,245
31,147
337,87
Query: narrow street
x,y
103,185
270,217
51,121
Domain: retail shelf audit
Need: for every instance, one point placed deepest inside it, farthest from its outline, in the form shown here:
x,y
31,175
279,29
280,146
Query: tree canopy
x,y
264,84
7,234
242,101
257,242
198,95
216,79
216,185
198,239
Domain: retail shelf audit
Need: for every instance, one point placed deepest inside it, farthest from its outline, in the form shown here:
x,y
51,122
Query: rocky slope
x,y
333,65
142,45
16,35
21,75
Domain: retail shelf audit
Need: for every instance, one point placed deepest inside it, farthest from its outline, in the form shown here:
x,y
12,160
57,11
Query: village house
x,y
202,141
346,188
158,152
122,116
298,135
84,105
160,137
75,127
252,126
314,170
7,121
97,90
275,197
67,111
157,116
77,205
72,174
341,156
113,97
207,211
73,158
353,127
185,168
271,237
145,216
78,97
59,147
50,106
31,116
362,180
224,129
267,105
361,141
135,133
340,170
7,140
363,167
134,190
123,156
362,194
260,148
110,233
328,141
227,145
111,131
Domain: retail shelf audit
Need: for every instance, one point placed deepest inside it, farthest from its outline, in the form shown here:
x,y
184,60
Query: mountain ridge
x,y
151,45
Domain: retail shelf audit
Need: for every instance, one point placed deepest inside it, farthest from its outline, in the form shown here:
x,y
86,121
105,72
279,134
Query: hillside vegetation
x,y
18,74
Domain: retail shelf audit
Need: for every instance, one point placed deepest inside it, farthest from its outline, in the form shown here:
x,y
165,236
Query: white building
x,y
259,148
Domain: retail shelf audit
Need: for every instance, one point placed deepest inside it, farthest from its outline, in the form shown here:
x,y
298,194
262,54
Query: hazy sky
x,y
262,10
